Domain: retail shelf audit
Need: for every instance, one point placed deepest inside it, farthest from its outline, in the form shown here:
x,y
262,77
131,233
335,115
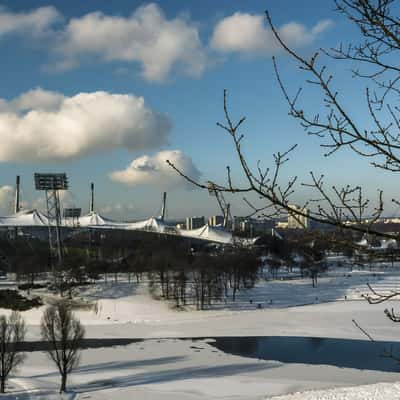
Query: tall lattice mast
x,y
51,184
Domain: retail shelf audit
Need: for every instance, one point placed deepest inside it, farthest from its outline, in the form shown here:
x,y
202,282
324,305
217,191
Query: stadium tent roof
x,y
96,221
25,218
37,218
152,224
93,219
209,233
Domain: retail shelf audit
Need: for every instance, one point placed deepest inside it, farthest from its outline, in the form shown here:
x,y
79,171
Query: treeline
x,y
202,277
188,273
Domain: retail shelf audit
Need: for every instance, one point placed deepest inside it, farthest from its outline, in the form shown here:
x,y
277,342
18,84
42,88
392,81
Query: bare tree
x,y
12,333
64,333
376,138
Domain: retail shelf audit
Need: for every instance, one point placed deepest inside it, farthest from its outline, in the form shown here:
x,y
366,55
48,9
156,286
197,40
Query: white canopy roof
x,y
93,219
25,218
152,224
210,233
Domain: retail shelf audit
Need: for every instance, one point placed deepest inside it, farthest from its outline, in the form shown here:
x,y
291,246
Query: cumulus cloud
x,y
248,34
153,170
6,196
146,37
36,22
47,126
37,99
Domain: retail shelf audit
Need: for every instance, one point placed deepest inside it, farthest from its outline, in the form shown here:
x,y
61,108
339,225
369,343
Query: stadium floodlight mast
x,y
51,184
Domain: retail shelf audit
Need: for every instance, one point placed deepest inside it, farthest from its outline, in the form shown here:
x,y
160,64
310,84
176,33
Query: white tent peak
x,y
25,218
93,219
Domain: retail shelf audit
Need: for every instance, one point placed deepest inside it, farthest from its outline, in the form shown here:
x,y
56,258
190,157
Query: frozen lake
x,y
342,353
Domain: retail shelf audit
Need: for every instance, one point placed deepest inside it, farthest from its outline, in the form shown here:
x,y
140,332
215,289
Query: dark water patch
x,y
85,344
343,353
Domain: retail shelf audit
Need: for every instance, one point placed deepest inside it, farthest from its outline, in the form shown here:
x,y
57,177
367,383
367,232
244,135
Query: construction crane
x,y
223,205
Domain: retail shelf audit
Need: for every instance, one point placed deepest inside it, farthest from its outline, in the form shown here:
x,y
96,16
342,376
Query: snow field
x,y
175,369
169,369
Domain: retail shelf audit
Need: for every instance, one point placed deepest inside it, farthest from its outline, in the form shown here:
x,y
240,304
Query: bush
x,y
12,299
28,286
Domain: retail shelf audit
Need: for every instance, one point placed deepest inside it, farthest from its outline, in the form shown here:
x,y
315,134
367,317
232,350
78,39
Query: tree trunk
x,y
3,384
63,386
183,291
162,283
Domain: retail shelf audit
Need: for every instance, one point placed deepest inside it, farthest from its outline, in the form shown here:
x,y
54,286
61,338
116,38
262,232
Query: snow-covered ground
x,y
289,308
380,391
167,368
182,370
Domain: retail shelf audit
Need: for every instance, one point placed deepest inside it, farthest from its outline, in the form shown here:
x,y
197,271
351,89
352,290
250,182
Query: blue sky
x,y
68,50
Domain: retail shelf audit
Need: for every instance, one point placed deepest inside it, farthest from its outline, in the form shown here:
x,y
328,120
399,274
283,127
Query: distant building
x,y
296,221
394,220
216,220
195,222
282,224
254,226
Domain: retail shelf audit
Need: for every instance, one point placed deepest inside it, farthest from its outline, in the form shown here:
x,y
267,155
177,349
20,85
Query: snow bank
x,y
379,391
185,370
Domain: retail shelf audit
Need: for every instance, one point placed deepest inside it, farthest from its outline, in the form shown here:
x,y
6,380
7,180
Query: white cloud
x,y
47,126
38,99
154,170
321,26
146,37
248,34
36,22
6,197
35,99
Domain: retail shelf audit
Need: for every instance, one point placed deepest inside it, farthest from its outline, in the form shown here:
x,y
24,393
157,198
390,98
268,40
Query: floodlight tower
x,y
51,184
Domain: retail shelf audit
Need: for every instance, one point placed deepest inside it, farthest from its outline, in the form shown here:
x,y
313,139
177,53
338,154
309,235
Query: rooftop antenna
x,y
17,207
164,206
91,205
